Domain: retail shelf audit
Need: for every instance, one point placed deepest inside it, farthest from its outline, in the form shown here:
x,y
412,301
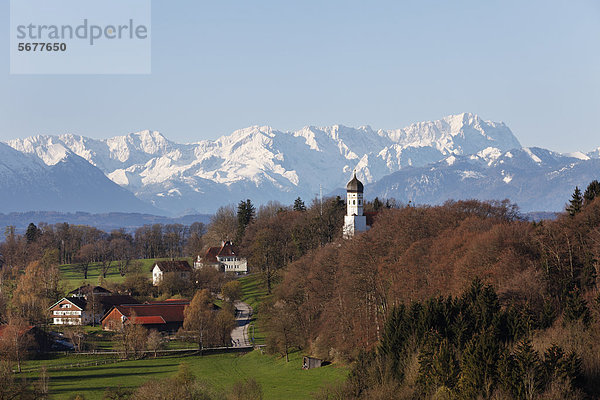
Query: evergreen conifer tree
x,y
576,202
245,215
299,205
591,192
576,308
529,369
479,365
377,204
393,342
32,233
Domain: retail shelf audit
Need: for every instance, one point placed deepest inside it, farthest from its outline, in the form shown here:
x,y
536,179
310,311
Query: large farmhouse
x,y
225,258
162,316
181,268
85,305
70,311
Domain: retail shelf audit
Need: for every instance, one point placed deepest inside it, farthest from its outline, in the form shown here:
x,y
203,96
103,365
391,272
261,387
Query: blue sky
x,y
224,65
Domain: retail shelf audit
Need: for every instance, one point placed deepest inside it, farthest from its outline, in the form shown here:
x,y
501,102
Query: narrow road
x,y
239,335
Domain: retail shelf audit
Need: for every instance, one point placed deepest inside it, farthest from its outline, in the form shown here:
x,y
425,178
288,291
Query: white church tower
x,y
354,221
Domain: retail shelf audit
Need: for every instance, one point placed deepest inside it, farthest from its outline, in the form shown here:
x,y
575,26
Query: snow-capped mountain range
x,y
264,164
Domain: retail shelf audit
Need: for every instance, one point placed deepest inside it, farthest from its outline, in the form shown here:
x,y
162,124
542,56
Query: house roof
x,y
116,300
169,301
87,289
169,312
21,332
173,266
78,302
211,255
154,319
227,249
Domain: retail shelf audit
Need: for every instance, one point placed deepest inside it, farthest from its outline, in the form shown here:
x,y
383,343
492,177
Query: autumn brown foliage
x,y
342,292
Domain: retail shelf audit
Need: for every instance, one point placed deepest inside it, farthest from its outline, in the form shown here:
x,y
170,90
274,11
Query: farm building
x,y
181,268
79,310
311,362
225,258
162,316
70,311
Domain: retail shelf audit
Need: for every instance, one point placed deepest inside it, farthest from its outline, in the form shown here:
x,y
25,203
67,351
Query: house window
x,y
65,306
353,202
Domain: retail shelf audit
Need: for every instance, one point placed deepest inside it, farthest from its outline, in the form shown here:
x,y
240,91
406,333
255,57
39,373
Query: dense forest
x,y
463,300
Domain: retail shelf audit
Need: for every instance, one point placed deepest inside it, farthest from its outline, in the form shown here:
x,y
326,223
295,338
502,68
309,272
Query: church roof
x,y
354,185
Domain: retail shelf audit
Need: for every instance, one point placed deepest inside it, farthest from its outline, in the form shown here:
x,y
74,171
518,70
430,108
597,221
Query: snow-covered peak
x,y
147,142
459,134
49,149
53,154
594,153
490,154
577,154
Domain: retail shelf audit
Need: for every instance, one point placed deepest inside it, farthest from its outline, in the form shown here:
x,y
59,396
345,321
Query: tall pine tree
x,y
576,308
592,191
245,215
576,202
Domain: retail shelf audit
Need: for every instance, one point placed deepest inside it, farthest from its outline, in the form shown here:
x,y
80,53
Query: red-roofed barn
x,y
162,316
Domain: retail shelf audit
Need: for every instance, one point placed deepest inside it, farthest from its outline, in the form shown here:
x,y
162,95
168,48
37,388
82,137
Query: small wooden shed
x,y
311,362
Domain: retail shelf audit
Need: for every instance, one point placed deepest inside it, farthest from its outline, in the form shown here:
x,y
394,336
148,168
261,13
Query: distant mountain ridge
x,y
264,164
536,179
106,221
459,156
66,183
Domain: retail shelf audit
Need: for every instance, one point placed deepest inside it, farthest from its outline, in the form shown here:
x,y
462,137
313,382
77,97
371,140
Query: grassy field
x,y
72,277
279,380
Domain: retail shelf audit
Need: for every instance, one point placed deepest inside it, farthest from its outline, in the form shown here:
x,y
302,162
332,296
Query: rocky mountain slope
x,y
534,178
64,182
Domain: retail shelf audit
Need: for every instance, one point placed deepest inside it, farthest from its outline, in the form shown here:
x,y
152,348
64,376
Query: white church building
x,y
355,221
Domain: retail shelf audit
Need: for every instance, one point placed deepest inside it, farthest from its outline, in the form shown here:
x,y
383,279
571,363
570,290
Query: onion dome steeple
x,y
354,186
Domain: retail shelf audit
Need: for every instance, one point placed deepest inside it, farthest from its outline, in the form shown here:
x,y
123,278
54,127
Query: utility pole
x,y
321,197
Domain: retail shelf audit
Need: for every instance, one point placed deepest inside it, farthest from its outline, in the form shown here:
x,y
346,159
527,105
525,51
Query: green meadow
x,y
278,379
72,276
254,294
